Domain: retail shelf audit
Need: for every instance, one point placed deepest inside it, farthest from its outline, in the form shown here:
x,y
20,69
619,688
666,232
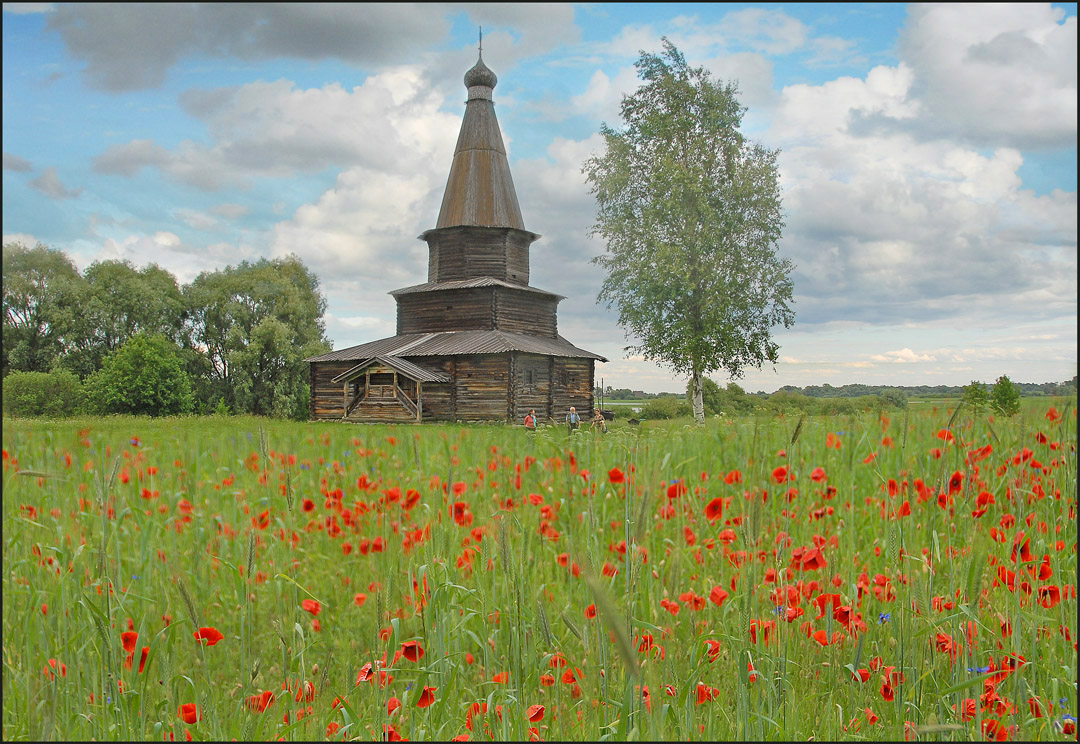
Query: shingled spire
x,y
480,190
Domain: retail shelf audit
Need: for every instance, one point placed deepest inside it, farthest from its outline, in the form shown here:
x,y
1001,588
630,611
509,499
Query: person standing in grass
x,y
530,420
573,421
598,420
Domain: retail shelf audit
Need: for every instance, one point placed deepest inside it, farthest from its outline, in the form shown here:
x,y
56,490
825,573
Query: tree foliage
x,y
976,395
43,295
53,394
240,335
1005,397
123,301
145,376
257,322
691,215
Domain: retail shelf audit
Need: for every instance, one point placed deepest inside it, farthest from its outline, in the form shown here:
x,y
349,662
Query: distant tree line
x,y
927,391
120,339
1003,398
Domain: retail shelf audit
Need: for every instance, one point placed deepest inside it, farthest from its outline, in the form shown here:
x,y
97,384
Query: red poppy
x,y
53,664
590,611
142,658
535,713
818,475
712,648
1049,596
704,693
129,638
821,637
1021,545
887,692
189,713
210,636
780,474
461,514
956,483
717,596
862,675
412,650
807,559
714,510
676,489
945,435
733,477
260,703
427,697
501,678
616,476
311,606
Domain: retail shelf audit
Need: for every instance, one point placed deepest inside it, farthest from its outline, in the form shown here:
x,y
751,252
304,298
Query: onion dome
x,y
480,75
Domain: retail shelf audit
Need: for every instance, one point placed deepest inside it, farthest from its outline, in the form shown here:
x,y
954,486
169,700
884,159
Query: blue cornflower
x,y
135,442
884,617
779,610
305,466
979,670
1067,717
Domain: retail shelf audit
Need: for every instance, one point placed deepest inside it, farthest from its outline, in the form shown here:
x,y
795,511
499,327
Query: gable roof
x,y
405,367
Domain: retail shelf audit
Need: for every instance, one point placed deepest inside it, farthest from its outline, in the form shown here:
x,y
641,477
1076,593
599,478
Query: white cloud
x,y
24,239
17,164
230,211
766,31
903,356
997,74
29,8
274,130
49,184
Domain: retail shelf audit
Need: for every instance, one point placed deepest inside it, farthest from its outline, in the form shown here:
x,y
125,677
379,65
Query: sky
x,y
927,159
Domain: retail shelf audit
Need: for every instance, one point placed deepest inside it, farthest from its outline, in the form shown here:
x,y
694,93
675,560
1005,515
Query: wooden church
x,y
475,342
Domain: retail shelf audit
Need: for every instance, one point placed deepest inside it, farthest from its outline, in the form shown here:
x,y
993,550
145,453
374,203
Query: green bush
x,y
668,407
55,394
144,376
1005,397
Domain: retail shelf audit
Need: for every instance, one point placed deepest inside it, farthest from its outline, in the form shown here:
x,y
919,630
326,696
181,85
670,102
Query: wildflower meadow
x,y
883,576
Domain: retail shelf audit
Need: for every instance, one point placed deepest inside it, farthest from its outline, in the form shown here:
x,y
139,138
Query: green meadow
x,y
883,576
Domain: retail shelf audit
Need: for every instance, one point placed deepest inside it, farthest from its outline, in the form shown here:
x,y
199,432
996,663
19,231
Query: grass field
x,y
877,577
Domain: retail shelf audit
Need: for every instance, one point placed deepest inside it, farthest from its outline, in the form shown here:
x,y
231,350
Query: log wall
x,y
449,310
525,312
327,398
572,386
478,309
483,387
532,386
469,252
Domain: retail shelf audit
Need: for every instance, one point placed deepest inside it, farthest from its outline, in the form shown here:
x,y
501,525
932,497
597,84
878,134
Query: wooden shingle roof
x,y
453,343
480,190
405,367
